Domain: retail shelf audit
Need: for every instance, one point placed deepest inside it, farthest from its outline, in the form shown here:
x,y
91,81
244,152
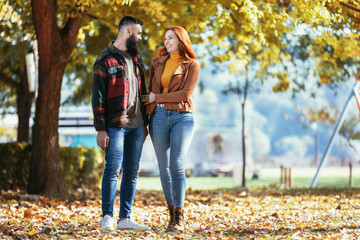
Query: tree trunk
x,y
45,174
24,101
243,143
55,46
245,92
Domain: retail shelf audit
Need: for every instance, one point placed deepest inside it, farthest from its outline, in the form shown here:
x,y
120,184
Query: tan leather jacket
x,y
181,86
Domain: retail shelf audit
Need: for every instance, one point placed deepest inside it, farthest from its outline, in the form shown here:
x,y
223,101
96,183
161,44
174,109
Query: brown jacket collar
x,y
162,59
160,65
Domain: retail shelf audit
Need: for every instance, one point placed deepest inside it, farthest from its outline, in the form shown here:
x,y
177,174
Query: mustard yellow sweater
x,y
171,64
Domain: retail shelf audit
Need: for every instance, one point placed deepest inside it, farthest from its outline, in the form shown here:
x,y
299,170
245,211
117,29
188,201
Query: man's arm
x,y
99,95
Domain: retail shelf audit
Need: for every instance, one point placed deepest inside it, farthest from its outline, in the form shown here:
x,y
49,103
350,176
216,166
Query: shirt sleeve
x,y
99,96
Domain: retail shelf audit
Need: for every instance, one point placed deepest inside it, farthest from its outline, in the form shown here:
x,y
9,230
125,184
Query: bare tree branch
x,y
356,20
69,32
350,7
9,81
350,142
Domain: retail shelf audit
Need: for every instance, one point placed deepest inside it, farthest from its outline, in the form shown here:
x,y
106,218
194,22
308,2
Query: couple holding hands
x,y
123,110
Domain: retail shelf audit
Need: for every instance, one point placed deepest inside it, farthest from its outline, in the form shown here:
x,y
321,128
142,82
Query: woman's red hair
x,y
185,49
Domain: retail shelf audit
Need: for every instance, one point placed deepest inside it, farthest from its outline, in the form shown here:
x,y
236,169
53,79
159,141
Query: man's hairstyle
x,y
127,20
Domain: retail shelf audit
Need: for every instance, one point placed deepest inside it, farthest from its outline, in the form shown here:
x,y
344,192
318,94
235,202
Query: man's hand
x,y
148,98
102,140
145,132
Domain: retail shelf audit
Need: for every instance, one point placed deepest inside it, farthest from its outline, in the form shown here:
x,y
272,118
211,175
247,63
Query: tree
x,y
241,90
55,46
249,44
270,25
335,52
14,46
337,48
351,133
245,84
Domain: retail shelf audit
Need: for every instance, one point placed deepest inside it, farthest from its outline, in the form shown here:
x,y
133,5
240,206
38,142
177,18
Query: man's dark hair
x,y
129,20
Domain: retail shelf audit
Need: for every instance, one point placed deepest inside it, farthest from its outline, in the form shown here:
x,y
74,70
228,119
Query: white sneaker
x,y
128,223
107,223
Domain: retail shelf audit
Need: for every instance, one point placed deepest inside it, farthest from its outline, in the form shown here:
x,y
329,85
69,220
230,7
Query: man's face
x,y
133,39
136,30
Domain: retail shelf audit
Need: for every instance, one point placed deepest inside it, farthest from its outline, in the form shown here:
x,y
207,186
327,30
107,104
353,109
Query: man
x,y
119,119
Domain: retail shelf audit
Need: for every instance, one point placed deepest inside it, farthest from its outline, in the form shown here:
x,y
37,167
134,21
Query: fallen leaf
x,y
27,213
32,232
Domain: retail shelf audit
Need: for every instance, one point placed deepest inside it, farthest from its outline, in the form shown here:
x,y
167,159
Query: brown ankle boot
x,y
179,223
171,210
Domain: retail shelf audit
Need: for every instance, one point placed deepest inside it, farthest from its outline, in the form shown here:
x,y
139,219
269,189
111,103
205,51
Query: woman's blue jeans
x,y
171,133
124,152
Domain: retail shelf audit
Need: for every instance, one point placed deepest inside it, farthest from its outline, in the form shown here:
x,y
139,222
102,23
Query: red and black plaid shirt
x,y
110,88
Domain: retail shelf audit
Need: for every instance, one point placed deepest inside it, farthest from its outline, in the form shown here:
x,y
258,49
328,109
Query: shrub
x,y
15,161
81,167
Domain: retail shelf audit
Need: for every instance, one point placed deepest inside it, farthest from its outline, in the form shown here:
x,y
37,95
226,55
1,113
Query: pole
x,y
333,137
316,147
350,175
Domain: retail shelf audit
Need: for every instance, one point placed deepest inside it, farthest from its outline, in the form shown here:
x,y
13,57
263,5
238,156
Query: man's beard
x,y
132,47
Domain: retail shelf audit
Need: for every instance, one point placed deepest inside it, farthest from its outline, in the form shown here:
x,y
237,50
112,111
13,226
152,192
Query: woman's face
x,y
171,42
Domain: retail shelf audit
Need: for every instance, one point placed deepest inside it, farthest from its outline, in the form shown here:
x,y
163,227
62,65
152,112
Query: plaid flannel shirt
x,y
110,88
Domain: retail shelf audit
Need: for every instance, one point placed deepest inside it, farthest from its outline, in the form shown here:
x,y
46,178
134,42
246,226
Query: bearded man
x,y
120,120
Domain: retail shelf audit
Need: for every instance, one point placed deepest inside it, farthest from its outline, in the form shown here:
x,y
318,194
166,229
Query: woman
x,y
173,77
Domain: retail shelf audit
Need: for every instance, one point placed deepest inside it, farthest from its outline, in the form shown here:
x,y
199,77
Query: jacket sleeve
x,y
151,75
142,75
143,90
99,96
184,93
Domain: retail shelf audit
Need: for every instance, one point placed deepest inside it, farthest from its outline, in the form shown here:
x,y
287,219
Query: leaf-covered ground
x,y
263,213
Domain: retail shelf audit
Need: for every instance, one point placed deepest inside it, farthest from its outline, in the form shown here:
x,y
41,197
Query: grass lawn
x,y
153,183
302,177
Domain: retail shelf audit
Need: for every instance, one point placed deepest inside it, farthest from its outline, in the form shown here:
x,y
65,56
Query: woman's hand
x,y
148,98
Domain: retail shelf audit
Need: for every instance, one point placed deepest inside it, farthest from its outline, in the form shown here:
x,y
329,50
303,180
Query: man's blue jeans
x,y
124,152
171,133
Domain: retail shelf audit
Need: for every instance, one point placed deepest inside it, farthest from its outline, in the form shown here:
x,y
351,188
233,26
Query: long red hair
x,y
185,49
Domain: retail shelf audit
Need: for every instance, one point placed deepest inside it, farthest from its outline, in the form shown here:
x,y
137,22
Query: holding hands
x,y
148,98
